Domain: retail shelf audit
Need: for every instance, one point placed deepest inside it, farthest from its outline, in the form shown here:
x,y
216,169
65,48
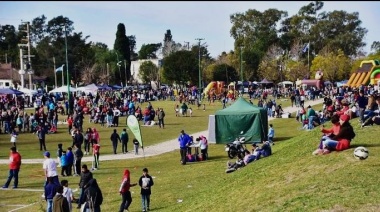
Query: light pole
x,y
67,73
241,69
199,68
125,72
119,64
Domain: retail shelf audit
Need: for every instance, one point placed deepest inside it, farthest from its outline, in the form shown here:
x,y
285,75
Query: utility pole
x,y
199,68
241,69
29,66
55,73
22,69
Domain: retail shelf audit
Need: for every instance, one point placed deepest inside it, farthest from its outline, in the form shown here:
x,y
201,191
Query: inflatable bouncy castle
x,y
368,73
317,82
214,87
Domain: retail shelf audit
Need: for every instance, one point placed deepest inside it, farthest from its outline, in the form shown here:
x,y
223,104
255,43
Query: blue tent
x,y
10,91
104,87
116,87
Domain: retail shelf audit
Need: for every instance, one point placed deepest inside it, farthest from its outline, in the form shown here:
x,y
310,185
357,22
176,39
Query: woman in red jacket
x,y
124,191
14,168
342,140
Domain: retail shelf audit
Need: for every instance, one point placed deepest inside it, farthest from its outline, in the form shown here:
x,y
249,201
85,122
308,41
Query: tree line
x,y
268,44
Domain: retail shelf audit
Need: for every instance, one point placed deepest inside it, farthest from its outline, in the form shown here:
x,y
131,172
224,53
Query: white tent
x,y
89,88
28,92
284,83
63,89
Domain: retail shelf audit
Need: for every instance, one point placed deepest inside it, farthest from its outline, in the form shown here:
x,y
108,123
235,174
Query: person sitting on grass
x,y
328,133
342,140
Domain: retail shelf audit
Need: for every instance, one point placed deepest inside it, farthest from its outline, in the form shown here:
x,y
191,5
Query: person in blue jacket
x,y
184,142
70,161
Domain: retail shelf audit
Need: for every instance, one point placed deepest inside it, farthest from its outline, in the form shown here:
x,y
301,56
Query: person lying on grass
x,y
342,140
241,162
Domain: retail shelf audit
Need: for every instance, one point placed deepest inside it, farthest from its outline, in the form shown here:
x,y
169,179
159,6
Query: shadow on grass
x,y
281,138
353,146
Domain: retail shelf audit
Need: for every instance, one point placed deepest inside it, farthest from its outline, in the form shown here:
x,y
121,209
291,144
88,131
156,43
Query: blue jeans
x,y
311,125
49,205
13,173
330,144
145,201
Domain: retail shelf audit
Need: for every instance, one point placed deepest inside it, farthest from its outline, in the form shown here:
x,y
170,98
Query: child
x,y
96,152
14,137
136,146
67,193
271,134
64,164
305,124
145,182
191,112
59,154
176,110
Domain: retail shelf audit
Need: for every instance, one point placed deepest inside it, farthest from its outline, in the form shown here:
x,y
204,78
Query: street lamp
x,y
119,65
199,68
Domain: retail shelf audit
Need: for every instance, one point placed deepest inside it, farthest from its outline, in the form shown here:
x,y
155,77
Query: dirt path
x,y
156,149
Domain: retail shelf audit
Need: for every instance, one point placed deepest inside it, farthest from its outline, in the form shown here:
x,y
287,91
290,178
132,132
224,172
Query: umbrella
x,y
10,91
265,81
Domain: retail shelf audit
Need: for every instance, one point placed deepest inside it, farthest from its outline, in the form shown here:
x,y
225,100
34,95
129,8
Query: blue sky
x,y
187,20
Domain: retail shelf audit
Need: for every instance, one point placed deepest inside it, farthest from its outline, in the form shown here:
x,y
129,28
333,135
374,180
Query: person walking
x,y
85,177
124,191
41,137
60,203
136,146
271,134
78,139
93,197
68,194
87,141
96,152
50,191
14,168
124,141
161,116
145,182
50,169
115,138
78,155
14,135
184,142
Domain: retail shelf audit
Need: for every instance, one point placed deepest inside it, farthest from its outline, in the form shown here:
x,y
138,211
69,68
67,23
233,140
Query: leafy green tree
x,y
122,46
256,32
8,43
335,65
148,51
132,47
56,27
38,29
181,67
148,72
221,72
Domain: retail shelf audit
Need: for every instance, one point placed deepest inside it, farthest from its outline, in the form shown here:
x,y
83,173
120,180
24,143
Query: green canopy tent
x,y
244,117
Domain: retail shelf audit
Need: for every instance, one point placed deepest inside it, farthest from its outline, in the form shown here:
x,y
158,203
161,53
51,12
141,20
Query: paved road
x,y
156,149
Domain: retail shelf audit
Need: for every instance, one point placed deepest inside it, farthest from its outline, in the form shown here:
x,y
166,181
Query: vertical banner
x,y
134,126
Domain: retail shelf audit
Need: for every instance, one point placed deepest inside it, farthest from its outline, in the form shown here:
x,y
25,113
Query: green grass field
x,y
292,179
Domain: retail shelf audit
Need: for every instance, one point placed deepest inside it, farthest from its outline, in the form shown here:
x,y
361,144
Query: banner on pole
x,y
134,126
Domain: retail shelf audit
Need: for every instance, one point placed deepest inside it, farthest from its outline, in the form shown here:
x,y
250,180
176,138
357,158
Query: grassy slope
x,y
290,180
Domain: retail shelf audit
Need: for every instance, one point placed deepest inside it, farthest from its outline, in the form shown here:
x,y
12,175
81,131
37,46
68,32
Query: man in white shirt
x,y
50,169
116,114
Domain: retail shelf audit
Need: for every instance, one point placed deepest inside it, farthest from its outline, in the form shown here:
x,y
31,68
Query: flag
x,y
134,125
306,48
60,68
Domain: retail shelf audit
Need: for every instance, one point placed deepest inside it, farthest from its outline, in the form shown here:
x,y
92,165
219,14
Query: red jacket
x,y
126,182
15,160
96,148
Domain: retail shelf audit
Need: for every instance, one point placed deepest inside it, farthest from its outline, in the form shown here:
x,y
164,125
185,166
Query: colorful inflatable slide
x,y
368,73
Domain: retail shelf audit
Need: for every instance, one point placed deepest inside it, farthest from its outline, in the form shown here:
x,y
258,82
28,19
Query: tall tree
x,y
181,67
8,43
149,51
256,32
148,72
122,47
132,47
38,29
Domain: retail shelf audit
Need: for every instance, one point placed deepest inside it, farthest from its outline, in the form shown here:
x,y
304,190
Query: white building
x,y
135,68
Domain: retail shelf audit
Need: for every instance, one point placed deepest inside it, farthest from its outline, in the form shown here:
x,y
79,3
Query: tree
x,y
169,45
122,46
148,72
221,72
256,32
181,67
375,46
148,51
334,64
38,29
132,47
269,66
8,43
56,27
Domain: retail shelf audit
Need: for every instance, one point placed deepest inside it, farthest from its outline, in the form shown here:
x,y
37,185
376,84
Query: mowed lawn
x,y
292,179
